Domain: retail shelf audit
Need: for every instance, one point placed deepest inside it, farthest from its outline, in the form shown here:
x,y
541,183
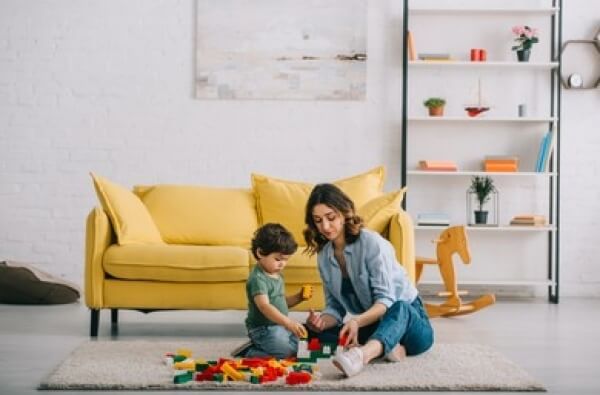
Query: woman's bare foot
x,y
397,354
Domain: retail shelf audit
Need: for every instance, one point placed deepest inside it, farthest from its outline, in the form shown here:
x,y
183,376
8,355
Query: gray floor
x,y
559,345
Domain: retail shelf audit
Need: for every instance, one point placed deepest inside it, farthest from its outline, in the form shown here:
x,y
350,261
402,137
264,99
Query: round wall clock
x,y
575,80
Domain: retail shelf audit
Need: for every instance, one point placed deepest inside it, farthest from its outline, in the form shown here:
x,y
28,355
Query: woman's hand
x,y
315,321
297,329
350,330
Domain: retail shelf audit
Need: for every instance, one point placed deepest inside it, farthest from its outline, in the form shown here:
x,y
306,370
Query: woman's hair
x,y
271,238
333,197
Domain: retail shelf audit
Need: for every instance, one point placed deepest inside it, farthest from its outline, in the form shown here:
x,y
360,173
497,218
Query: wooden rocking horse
x,y
452,240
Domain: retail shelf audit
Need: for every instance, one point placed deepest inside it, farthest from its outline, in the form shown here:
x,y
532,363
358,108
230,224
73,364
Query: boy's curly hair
x,y
271,238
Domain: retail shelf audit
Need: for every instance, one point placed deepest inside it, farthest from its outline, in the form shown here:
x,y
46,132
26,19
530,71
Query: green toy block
x,y
183,377
311,359
218,377
179,358
254,379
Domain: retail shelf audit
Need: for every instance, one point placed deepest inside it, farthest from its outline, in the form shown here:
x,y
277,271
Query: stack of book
x,y
501,163
437,165
435,57
433,219
528,220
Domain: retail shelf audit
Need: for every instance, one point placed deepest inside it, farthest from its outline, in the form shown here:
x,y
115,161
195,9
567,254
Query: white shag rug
x,y
138,365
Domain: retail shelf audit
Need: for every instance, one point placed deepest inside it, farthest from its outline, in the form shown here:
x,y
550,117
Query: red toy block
x,y
255,362
204,376
314,344
298,378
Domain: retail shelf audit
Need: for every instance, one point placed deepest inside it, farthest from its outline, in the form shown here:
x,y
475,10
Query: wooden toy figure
x,y
452,240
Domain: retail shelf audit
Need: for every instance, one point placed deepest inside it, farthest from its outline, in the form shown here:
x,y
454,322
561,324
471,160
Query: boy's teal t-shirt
x,y
261,283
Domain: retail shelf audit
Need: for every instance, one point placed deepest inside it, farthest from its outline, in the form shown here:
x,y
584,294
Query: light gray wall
x,y
106,86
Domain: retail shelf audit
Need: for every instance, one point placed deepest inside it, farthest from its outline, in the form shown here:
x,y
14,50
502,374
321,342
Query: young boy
x,y
271,331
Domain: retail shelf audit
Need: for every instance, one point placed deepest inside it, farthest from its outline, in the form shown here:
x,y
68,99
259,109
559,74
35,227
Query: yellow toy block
x,y
287,363
188,364
257,371
184,351
307,291
232,372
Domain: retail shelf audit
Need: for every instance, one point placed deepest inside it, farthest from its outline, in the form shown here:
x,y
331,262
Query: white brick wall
x,y
106,86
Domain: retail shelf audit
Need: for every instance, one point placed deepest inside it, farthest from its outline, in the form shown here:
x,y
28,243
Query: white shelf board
x,y
491,64
460,11
479,173
482,119
515,283
504,228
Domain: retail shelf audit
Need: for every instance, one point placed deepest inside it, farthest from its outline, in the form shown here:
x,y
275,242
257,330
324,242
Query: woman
x,y
361,276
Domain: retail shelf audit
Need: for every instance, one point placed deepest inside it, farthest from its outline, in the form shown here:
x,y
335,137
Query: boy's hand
x,y
297,329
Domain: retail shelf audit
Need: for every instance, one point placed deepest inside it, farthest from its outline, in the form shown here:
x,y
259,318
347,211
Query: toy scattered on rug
x,y
252,370
300,370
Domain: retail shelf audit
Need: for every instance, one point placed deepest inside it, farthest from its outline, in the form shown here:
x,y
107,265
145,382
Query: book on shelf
x,y
433,219
547,143
548,151
437,165
501,159
412,51
435,56
500,167
529,220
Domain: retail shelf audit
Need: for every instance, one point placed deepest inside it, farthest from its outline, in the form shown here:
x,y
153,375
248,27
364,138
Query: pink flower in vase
x,y
525,37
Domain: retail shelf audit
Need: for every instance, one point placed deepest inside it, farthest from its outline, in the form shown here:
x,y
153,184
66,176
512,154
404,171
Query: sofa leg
x,y
114,322
94,322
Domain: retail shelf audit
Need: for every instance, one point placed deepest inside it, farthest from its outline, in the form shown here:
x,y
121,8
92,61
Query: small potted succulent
x,y
483,189
435,106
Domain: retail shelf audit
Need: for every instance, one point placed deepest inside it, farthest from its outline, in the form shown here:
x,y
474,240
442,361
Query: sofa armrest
x,y
99,236
402,237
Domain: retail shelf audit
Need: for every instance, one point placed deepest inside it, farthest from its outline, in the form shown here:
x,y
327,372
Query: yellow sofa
x,y
199,257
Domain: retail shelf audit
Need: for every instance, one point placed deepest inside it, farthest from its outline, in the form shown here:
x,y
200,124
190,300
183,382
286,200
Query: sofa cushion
x,y
129,217
201,215
300,269
378,212
363,187
180,263
284,201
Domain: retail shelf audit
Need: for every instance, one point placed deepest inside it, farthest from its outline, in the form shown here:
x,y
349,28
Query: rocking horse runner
x,y
452,240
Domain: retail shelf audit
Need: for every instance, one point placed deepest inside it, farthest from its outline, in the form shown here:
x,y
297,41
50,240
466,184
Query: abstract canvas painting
x,y
281,49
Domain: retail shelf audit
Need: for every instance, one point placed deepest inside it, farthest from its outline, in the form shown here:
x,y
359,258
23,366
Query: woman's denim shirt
x,y
376,275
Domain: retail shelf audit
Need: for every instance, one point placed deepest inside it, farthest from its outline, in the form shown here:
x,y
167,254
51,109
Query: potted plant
x,y
525,38
435,106
482,188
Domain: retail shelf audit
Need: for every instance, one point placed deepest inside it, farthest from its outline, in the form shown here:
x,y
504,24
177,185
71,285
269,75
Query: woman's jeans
x,y
403,323
272,340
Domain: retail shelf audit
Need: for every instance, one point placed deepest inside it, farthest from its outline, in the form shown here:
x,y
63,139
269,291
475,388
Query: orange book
x,y
500,167
438,165
502,161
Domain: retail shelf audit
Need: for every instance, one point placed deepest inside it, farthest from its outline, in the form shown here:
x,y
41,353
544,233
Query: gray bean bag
x,y
21,283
